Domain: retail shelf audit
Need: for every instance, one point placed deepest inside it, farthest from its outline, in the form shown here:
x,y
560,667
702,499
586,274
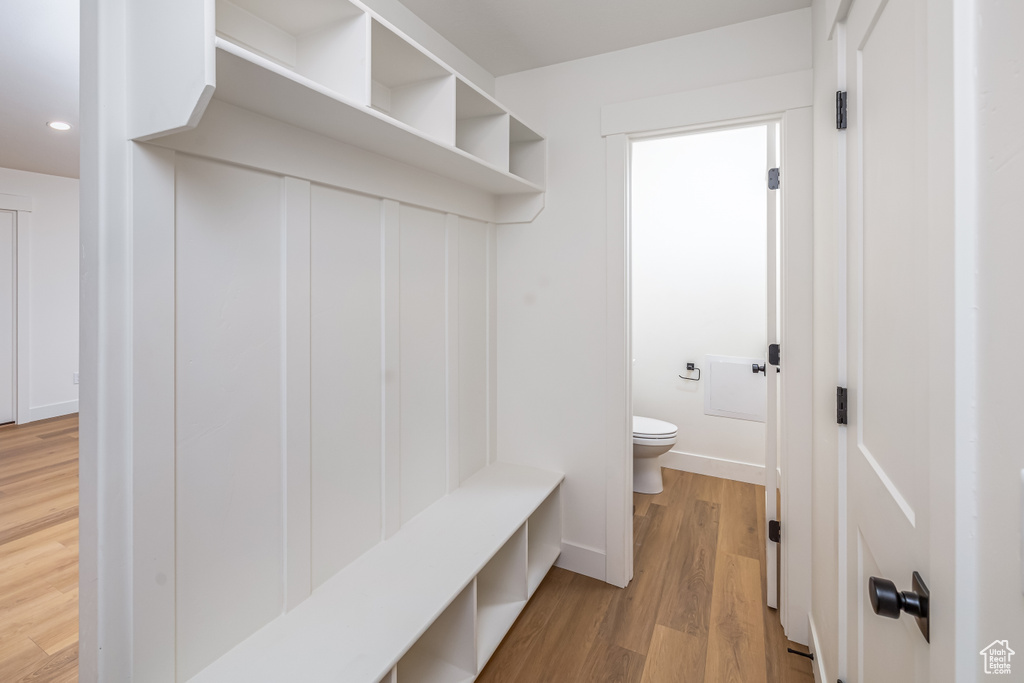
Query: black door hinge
x,y
840,405
774,531
773,354
840,110
773,178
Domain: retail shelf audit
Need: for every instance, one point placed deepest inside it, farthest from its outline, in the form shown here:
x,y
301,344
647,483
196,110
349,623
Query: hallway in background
x,y
39,551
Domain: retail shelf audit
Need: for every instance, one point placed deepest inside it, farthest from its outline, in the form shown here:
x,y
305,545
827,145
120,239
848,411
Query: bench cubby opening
x,y
501,594
446,652
544,539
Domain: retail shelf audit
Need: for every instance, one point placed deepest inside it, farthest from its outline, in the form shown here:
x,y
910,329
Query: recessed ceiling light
x,y
59,125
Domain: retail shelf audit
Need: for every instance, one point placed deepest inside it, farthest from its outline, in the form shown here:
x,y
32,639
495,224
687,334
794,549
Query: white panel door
x,y
8,278
892,315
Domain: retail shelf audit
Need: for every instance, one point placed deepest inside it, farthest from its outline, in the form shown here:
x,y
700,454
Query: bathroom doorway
x,y
705,262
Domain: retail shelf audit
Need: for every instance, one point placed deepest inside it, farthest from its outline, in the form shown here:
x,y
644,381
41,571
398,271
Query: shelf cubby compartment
x,y
446,652
544,539
481,126
409,86
326,42
527,154
391,677
500,594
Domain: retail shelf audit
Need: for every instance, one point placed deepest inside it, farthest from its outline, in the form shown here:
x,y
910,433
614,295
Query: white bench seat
x,y
359,624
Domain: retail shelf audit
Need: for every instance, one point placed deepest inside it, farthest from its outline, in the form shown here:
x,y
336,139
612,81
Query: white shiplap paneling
x,y
346,378
229,405
423,360
472,295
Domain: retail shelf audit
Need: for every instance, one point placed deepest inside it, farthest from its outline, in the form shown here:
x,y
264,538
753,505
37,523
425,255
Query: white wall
x,y
53,265
699,219
1000,488
552,273
824,520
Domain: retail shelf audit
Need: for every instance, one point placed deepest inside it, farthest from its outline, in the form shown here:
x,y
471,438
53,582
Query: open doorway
x,y
704,214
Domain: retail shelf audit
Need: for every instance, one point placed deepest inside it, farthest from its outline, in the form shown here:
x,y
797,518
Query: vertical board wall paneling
x,y
153,509
392,403
423,359
492,343
472,347
333,359
229,407
296,373
346,382
452,317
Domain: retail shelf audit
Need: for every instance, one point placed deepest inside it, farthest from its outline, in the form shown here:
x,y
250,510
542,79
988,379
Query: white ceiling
x,y
39,83
506,36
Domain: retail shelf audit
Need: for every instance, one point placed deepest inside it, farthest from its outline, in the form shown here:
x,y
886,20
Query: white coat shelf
x,y
429,605
336,69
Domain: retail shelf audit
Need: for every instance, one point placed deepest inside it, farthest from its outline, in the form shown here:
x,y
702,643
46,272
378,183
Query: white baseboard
x,y
818,667
714,467
52,410
582,560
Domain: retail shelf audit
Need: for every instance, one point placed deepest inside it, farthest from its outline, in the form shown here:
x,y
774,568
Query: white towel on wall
x,y
733,390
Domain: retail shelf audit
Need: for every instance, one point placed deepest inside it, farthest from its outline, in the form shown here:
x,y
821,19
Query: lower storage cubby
x,y
446,652
501,594
544,539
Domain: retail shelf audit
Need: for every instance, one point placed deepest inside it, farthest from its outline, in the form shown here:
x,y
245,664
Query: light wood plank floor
x,y
39,551
694,612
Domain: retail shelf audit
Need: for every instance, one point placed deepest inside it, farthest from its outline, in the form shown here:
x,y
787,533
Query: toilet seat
x,y
649,428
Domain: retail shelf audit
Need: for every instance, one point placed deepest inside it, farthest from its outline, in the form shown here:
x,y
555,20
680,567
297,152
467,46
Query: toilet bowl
x,y
651,438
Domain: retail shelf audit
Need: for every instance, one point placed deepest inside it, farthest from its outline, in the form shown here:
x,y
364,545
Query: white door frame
x,y
786,97
22,207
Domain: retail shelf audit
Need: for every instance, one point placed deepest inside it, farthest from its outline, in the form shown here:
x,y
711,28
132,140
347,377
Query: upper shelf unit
x,y
333,67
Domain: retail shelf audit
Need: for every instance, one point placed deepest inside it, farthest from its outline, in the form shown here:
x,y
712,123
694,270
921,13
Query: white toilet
x,y
651,438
